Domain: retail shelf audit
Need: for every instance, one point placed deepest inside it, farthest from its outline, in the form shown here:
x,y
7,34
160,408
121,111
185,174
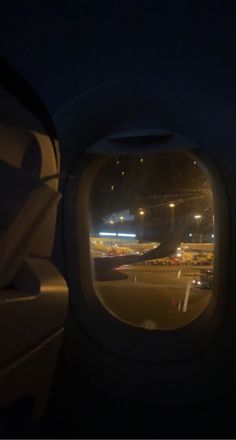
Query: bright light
x,y
141,160
179,249
178,254
141,212
212,235
112,234
197,216
122,173
126,235
117,162
121,217
112,187
195,163
199,283
172,205
111,222
190,234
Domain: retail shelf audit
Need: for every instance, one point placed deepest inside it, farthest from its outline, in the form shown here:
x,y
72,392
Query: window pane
x,y
152,239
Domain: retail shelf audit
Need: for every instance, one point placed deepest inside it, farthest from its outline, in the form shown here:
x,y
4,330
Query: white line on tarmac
x,y
179,273
186,297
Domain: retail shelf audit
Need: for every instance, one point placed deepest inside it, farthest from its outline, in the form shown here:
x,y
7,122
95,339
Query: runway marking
x,y
186,297
179,273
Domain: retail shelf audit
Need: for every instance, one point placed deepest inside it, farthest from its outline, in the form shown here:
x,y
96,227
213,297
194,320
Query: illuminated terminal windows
x,y
152,240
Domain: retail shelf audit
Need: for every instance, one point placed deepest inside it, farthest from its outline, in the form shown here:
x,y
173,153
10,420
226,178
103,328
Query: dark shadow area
x,y
16,419
79,408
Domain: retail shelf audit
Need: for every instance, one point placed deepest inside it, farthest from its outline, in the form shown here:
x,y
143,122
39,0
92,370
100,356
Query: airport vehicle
x,y
204,279
113,80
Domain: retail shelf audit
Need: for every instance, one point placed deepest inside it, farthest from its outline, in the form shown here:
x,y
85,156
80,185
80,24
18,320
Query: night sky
x,y
151,182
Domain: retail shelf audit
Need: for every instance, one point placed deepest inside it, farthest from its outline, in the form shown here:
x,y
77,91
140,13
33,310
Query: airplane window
x,y
152,239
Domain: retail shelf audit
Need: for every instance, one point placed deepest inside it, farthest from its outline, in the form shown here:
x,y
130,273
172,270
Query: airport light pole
x,y
172,207
198,217
141,213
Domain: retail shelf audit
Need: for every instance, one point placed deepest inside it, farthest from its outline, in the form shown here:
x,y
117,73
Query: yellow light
x,y
172,205
141,212
121,218
111,222
141,160
197,216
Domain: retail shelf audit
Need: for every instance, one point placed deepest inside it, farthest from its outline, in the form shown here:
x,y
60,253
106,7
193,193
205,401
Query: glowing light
x,y
126,235
190,234
112,187
117,162
198,216
122,173
121,217
111,222
141,160
172,205
111,234
212,235
141,212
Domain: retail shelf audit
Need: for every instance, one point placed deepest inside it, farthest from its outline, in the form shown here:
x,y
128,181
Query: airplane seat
x,y
33,293
15,187
21,183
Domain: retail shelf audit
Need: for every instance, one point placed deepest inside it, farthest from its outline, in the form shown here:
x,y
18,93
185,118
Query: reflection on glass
x,y
152,239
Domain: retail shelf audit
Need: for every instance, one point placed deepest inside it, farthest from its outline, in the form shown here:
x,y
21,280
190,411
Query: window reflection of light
x,y
107,233
126,235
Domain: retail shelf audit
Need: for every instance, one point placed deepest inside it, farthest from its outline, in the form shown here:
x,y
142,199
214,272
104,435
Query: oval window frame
x,y
109,332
